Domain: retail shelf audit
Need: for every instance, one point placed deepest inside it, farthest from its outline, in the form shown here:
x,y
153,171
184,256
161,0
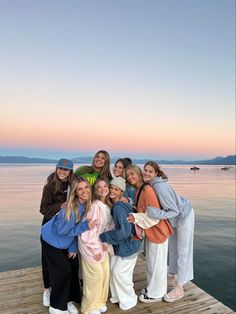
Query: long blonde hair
x,y
137,170
72,205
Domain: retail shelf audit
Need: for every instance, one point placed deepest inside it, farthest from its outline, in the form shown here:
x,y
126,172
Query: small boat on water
x,y
194,168
226,168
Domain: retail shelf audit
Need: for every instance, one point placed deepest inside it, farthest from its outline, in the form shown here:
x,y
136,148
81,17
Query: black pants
x,y
63,276
44,261
45,273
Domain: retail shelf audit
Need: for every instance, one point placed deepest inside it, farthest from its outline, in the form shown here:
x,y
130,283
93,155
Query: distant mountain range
x,y
25,160
228,160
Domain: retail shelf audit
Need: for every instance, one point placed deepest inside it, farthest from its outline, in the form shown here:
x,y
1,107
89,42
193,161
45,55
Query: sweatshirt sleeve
x,y
80,170
73,248
90,238
48,207
143,221
130,193
169,206
122,231
70,228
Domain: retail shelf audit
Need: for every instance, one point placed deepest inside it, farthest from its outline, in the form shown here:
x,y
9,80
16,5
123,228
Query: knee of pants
x,y
65,272
182,252
115,273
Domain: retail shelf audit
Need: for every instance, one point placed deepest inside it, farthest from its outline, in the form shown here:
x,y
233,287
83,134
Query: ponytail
x,y
157,169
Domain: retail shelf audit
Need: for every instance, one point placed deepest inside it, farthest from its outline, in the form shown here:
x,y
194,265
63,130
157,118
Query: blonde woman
x,y
156,237
125,248
95,254
60,246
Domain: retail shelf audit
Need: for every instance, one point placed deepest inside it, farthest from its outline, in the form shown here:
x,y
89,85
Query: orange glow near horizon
x,y
58,132
136,142
143,97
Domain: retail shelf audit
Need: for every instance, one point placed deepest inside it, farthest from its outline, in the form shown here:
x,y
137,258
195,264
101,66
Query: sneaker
x,y
52,310
103,308
146,299
46,297
174,295
72,308
143,291
95,312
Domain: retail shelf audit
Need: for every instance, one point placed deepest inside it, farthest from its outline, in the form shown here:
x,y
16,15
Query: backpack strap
x,y
139,192
137,232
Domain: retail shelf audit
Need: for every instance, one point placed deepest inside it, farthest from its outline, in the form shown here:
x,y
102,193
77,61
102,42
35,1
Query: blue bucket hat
x,y
65,164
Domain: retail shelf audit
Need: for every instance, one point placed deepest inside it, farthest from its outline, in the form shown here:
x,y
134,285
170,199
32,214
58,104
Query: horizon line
x,y
116,157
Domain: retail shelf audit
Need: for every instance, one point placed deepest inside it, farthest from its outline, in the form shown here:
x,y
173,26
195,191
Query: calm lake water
x,y
211,190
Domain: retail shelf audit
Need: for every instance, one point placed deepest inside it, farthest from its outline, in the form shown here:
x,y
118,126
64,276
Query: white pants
x,y
156,255
121,281
181,250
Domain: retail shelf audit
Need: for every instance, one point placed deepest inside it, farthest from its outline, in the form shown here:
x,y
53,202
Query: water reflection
x,y
211,190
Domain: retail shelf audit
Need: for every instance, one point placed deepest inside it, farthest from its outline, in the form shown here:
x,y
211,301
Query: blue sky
x,y
140,78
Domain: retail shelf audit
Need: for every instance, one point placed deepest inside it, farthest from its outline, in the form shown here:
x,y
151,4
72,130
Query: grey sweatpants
x,y
180,250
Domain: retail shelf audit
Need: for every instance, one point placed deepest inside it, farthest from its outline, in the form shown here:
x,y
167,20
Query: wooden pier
x,y
21,292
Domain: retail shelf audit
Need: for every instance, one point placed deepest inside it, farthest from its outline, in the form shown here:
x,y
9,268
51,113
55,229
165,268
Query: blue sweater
x,y
121,237
62,234
130,192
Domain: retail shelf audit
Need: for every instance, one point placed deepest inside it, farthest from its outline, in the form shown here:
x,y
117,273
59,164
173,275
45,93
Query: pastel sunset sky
x,y
138,78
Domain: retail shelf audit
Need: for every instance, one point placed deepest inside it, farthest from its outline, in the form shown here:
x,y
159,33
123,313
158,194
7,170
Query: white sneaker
x,y
103,308
146,299
143,291
72,308
52,310
46,297
95,312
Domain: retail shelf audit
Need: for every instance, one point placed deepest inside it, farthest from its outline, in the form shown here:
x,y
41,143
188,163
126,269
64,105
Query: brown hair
x,y
56,183
73,201
105,172
158,171
124,162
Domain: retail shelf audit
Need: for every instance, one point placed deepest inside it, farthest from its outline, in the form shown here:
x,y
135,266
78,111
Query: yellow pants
x,y
95,285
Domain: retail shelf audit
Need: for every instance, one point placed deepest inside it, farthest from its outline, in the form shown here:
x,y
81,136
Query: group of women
x,y
91,236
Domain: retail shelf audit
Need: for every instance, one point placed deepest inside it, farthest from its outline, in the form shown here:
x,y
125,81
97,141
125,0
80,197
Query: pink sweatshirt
x,y
89,241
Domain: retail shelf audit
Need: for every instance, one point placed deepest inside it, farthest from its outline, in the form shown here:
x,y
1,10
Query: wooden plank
x,y
19,272
21,293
